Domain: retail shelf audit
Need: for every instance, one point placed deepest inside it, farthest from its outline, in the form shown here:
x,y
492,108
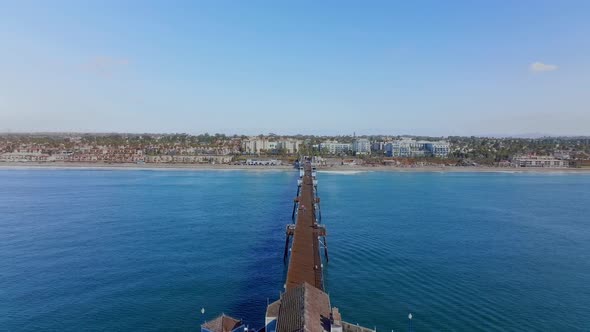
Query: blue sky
x,y
313,67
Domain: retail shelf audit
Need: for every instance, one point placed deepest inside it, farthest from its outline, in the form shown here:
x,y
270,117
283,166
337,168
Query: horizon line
x,y
514,136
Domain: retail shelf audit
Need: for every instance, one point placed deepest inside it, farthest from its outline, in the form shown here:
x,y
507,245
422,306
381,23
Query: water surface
x,y
128,250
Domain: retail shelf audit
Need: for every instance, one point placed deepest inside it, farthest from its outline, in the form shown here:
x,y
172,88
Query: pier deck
x,y
305,264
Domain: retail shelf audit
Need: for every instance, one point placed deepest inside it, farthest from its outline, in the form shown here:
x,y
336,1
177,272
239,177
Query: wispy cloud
x,y
105,66
539,67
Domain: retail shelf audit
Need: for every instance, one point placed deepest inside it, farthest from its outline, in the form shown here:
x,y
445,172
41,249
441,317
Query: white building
x,y
257,145
361,146
334,147
23,156
539,161
408,147
291,146
438,148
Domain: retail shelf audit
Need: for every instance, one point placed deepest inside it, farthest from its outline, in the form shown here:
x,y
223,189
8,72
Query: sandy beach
x,y
325,169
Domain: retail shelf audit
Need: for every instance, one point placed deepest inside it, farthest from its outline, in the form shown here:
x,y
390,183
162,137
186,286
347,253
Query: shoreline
x,y
139,167
333,169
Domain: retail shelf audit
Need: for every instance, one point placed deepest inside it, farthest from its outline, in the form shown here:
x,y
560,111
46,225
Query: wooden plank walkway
x,y
305,264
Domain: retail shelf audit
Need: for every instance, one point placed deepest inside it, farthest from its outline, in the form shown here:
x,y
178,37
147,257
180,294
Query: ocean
x,y
120,250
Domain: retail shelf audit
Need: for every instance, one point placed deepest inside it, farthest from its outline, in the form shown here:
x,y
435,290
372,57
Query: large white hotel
x,y
255,145
358,146
407,147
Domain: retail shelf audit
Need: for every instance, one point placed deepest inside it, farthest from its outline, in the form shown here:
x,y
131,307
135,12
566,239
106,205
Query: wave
x,y
343,172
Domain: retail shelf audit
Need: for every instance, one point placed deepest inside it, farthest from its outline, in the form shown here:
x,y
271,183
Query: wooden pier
x,y
304,305
305,262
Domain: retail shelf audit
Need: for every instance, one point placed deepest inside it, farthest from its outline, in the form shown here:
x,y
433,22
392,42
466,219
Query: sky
x,y
312,67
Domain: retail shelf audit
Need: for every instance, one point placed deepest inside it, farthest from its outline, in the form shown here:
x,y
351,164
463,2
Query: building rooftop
x,y
222,323
304,308
347,327
272,310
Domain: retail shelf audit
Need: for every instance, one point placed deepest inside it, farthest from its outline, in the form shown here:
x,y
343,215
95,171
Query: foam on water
x,y
343,172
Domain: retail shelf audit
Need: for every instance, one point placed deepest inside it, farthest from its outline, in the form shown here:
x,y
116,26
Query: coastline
x,y
453,169
138,167
333,169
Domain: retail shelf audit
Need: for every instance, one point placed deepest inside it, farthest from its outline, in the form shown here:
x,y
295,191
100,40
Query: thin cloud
x,y
539,67
105,66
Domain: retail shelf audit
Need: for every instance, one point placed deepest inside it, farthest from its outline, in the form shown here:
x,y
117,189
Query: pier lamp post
x,y
203,315
410,322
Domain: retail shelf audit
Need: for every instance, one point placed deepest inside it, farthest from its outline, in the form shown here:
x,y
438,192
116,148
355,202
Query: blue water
x,y
104,250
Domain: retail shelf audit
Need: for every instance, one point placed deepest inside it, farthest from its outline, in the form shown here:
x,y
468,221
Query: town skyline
x,y
280,134
219,148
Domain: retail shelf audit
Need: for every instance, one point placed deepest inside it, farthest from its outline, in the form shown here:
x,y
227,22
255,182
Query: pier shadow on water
x,y
266,271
